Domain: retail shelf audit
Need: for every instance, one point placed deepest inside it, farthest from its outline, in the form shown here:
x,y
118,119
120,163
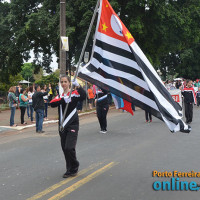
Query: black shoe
x,y
41,131
73,173
66,175
70,174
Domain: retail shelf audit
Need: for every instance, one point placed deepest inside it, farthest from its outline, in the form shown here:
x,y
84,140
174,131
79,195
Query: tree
x,y
166,31
27,72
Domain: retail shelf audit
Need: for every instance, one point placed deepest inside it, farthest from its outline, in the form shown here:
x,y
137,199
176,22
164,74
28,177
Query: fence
x,y
3,97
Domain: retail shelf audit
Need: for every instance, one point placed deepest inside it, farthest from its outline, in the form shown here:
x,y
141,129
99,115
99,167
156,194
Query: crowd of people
x,y
191,94
23,98
38,99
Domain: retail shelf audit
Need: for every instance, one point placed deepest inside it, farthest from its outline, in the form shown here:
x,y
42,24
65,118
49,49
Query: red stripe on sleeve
x,y
56,99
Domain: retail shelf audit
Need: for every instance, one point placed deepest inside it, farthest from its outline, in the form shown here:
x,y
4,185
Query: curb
x,y
19,128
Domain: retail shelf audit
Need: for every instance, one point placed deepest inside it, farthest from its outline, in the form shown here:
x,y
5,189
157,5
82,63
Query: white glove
x,y
75,83
67,99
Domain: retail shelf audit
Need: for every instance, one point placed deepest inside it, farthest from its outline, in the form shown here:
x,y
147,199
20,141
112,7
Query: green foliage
x,y
27,72
167,31
45,80
13,81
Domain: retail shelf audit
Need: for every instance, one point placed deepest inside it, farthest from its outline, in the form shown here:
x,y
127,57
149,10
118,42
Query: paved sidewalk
x,y
5,117
52,118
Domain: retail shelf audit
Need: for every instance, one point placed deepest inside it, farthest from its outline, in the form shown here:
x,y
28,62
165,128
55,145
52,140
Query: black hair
x,y
21,91
188,80
36,86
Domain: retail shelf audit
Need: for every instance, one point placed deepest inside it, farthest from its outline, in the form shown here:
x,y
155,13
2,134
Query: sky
x,y
54,64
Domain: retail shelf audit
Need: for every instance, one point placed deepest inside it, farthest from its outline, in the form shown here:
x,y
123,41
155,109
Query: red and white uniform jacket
x,y
71,119
189,95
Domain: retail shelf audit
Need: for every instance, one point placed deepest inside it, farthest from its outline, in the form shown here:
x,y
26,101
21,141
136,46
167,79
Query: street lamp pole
x,y
62,54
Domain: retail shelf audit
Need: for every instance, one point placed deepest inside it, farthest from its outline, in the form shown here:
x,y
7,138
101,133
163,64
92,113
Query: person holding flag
x,y
69,122
119,66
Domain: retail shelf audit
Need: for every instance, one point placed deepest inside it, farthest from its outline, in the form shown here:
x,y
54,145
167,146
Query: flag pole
x,y
80,59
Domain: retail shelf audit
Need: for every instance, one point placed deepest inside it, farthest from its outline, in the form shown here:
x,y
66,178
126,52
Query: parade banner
x,y
176,95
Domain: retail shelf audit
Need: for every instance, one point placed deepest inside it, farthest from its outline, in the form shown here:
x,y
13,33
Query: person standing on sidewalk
x,y
46,103
90,97
17,91
12,104
30,102
23,101
50,92
69,134
38,105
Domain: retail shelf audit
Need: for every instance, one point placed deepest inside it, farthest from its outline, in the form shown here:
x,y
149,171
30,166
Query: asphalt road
x,y
113,166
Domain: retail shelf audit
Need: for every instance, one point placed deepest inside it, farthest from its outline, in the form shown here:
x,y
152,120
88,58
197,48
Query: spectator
x,y
50,94
12,104
80,106
23,101
30,102
46,103
197,84
90,97
28,113
178,84
38,105
94,88
17,91
57,89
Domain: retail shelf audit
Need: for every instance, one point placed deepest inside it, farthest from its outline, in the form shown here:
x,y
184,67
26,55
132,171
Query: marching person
x,y
102,107
69,133
189,99
148,116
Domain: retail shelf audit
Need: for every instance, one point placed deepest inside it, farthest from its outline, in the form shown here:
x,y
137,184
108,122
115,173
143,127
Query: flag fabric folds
x,y
122,104
118,65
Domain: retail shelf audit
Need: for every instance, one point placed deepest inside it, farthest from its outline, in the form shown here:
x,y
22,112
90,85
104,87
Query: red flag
x,y
127,107
112,26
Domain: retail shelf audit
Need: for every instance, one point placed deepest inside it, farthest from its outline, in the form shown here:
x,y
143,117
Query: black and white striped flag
x,y
118,65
